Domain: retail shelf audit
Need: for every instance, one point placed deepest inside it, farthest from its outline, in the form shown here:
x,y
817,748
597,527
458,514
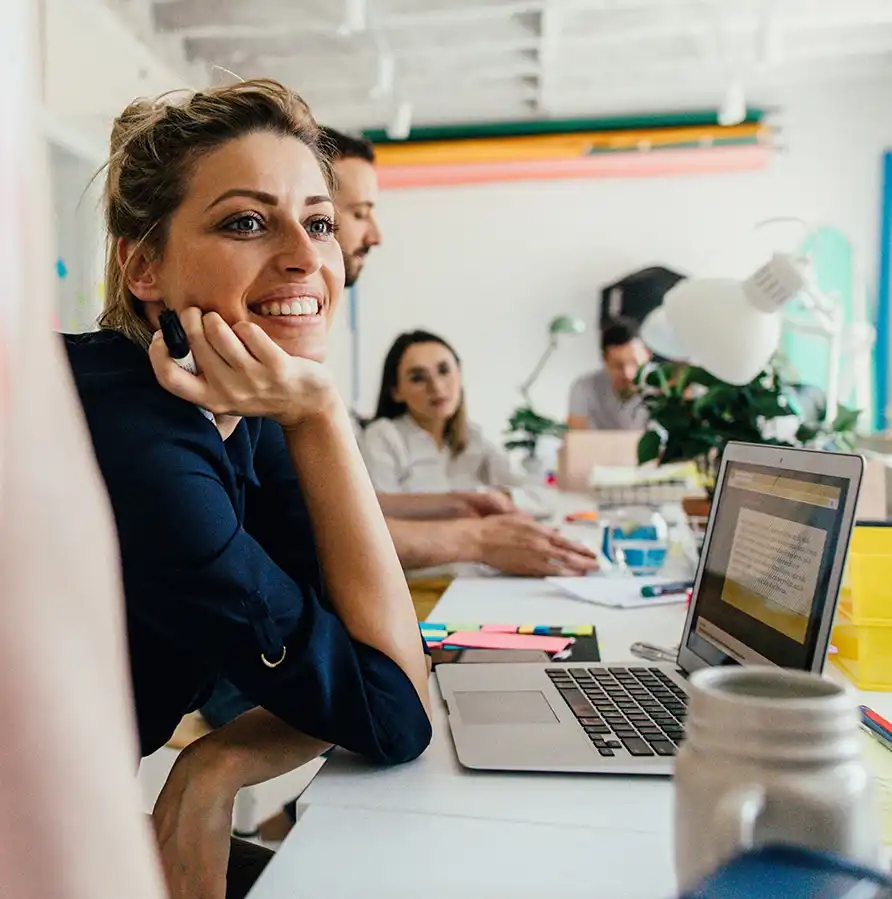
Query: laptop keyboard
x,y
639,711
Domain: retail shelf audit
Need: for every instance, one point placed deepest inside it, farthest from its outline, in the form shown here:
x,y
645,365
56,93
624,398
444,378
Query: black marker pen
x,y
178,346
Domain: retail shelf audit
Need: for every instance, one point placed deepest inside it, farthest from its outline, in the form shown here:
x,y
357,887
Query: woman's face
x,y
429,383
254,241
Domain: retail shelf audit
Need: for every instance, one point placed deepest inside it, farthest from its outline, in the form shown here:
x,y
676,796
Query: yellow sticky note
x,y
526,629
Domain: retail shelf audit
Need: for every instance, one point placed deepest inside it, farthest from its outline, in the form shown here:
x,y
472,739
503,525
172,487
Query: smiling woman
x,y
252,544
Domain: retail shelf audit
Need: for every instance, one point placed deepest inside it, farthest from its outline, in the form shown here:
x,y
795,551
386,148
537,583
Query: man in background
x,y
430,530
607,399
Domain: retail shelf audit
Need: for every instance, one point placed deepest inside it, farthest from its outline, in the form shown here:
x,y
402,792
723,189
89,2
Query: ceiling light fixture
x,y
733,108
401,125
356,17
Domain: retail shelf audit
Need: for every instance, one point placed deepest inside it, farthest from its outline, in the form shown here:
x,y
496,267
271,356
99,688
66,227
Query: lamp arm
x,y
534,375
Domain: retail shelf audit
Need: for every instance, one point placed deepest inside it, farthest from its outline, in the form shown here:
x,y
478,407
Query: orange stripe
x,y
560,146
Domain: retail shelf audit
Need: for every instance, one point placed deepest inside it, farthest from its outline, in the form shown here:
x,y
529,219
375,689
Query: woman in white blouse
x,y
420,440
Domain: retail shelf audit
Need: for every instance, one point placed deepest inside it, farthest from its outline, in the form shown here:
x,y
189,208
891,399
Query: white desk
x,y
437,784
349,853
432,826
406,823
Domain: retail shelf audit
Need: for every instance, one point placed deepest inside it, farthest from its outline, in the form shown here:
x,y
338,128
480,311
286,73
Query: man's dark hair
x,y
618,332
342,146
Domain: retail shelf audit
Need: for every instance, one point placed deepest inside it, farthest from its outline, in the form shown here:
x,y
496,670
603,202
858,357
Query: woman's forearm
x,y
363,576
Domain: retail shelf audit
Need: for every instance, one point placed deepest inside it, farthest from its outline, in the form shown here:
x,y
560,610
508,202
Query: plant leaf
x,y
649,447
846,419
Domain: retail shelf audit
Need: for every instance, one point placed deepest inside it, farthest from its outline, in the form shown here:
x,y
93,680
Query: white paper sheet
x,y
617,592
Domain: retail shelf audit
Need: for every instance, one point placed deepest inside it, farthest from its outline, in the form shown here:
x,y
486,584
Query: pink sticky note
x,y
489,640
499,628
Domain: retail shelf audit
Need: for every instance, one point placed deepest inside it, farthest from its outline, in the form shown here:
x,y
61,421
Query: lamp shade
x,y
657,333
566,324
711,323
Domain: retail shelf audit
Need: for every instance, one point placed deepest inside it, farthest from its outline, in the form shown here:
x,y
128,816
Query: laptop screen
x,y
767,567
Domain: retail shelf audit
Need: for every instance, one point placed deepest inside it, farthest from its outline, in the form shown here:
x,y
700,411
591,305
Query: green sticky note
x,y
456,628
578,630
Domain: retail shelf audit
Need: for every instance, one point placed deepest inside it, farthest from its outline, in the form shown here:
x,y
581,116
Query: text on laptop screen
x,y
767,566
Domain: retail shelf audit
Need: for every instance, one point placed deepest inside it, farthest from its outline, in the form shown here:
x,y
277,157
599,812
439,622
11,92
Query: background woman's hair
x,y
456,431
155,145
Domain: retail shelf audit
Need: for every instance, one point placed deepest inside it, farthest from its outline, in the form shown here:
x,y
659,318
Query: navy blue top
x,y
220,568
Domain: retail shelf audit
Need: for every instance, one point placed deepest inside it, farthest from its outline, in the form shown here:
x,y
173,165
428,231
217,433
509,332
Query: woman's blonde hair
x,y
155,145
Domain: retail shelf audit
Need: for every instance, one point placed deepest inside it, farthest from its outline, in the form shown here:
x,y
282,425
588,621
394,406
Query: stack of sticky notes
x,y
503,636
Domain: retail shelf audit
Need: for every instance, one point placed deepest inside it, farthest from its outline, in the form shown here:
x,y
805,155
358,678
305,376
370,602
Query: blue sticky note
x,y
428,626
542,629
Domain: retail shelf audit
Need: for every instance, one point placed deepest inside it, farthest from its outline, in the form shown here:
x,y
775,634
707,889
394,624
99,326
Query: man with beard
x,y
438,529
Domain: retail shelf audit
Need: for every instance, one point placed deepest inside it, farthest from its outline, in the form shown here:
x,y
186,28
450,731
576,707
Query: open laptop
x,y
765,592
582,451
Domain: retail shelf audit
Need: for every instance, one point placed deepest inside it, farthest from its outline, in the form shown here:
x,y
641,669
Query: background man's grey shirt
x,y
592,397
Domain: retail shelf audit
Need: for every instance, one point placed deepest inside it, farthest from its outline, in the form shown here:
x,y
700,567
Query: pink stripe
x,y
608,165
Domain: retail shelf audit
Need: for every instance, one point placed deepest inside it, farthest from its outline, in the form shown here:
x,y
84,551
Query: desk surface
x,y
432,826
437,784
432,815
350,853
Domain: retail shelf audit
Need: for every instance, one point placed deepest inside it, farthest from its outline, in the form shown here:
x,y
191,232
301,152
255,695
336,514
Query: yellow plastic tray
x,y
863,652
866,594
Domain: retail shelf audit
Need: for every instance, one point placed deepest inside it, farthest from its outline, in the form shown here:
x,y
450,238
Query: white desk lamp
x,y
732,328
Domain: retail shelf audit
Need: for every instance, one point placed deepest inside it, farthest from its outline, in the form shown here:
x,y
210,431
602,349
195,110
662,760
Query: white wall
x,y
79,240
93,65
488,267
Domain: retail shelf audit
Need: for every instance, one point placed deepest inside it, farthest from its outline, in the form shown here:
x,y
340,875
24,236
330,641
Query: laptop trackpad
x,y
504,707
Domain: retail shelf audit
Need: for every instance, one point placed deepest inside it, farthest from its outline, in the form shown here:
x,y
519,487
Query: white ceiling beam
x,y
639,57
395,21
417,86
567,79
737,27
451,54
688,16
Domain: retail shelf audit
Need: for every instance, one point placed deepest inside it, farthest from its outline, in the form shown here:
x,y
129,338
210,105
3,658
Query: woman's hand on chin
x,y
243,372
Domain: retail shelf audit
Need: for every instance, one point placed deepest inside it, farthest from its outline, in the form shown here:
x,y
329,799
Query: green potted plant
x,y
693,415
525,429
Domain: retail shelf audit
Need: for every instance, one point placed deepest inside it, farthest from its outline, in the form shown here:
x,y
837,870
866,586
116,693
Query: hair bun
x,y
137,117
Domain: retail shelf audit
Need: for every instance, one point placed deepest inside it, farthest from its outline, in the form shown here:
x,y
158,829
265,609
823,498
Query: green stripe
x,y
687,145
556,126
